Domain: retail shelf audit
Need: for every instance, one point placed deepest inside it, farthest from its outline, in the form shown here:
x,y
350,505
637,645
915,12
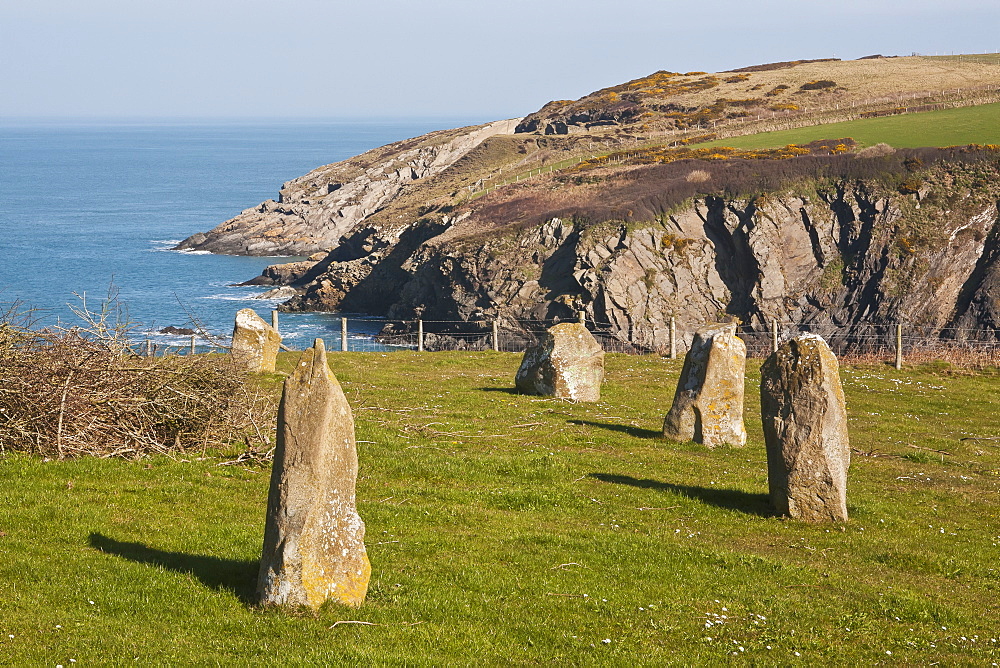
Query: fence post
x,y
149,348
496,337
192,344
420,336
774,336
582,315
274,320
899,347
673,338
343,335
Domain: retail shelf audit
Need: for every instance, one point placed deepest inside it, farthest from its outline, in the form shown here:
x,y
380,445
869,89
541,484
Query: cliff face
x,y
920,247
609,204
314,211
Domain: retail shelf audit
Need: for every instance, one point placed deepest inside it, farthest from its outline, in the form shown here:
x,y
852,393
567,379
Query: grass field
x,y
508,529
949,127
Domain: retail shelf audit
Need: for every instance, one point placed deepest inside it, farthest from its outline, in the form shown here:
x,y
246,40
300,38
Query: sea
x,y
89,212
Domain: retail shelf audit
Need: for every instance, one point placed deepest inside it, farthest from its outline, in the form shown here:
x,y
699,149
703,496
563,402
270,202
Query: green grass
x,y
949,127
508,529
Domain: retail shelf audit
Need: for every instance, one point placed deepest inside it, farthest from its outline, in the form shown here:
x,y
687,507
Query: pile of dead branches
x,y
69,392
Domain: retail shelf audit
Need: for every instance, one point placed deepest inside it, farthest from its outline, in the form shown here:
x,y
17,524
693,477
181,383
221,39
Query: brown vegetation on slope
x,y
644,192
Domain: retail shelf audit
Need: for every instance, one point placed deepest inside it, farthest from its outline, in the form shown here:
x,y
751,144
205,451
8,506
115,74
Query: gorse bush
x,y
662,154
818,85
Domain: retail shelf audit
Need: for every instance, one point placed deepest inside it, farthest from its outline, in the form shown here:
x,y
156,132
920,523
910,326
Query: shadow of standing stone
x,y
805,431
567,363
255,343
314,546
708,403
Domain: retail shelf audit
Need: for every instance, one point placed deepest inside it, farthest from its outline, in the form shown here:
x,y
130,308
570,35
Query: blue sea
x,y
88,207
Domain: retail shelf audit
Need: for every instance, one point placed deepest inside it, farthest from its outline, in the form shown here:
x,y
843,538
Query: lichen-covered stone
x,y
255,343
567,363
708,403
314,546
805,431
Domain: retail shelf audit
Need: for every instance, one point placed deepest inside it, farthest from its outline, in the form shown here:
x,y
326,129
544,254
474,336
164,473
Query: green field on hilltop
x,y
949,127
509,529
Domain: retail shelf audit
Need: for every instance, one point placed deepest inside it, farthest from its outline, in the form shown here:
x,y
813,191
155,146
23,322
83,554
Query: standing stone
x,y
805,430
255,343
708,403
314,546
567,363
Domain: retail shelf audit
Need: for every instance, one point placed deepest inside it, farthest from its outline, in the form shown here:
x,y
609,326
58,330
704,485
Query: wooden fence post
x,y
496,337
582,315
774,336
673,338
899,347
343,335
274,320
192,343
149,348
420,336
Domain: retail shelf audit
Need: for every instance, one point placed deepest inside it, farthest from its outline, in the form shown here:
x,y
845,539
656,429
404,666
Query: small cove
x,y
85,206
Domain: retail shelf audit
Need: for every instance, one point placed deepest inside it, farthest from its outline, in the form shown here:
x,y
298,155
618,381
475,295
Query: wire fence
x,y
855,342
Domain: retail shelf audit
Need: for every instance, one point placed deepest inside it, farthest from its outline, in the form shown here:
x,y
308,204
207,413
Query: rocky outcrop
x,y
288,273
314,211
835,242
838,255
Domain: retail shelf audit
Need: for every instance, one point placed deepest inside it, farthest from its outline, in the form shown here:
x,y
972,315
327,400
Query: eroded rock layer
x,y
841,252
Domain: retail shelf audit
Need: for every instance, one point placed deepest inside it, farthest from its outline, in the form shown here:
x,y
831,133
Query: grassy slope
x,y
514,529
950,127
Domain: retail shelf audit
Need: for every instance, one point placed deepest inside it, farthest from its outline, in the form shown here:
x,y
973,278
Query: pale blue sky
x,y
459,58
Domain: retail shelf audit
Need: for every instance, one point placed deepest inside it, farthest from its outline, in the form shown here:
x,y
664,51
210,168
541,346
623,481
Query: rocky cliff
x,y
606,204
314,211
839,240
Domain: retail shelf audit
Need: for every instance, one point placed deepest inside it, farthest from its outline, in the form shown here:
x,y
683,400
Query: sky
x,y
424,58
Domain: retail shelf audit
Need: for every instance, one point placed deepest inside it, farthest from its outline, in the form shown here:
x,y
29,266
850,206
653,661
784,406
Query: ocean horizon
x,y
95,205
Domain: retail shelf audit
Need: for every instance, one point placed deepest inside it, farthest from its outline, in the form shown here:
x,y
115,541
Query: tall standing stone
x,y
314,546
567,363
708,403
255,343
805,430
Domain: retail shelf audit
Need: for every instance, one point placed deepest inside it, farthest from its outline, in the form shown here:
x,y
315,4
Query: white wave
x,y
230,297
